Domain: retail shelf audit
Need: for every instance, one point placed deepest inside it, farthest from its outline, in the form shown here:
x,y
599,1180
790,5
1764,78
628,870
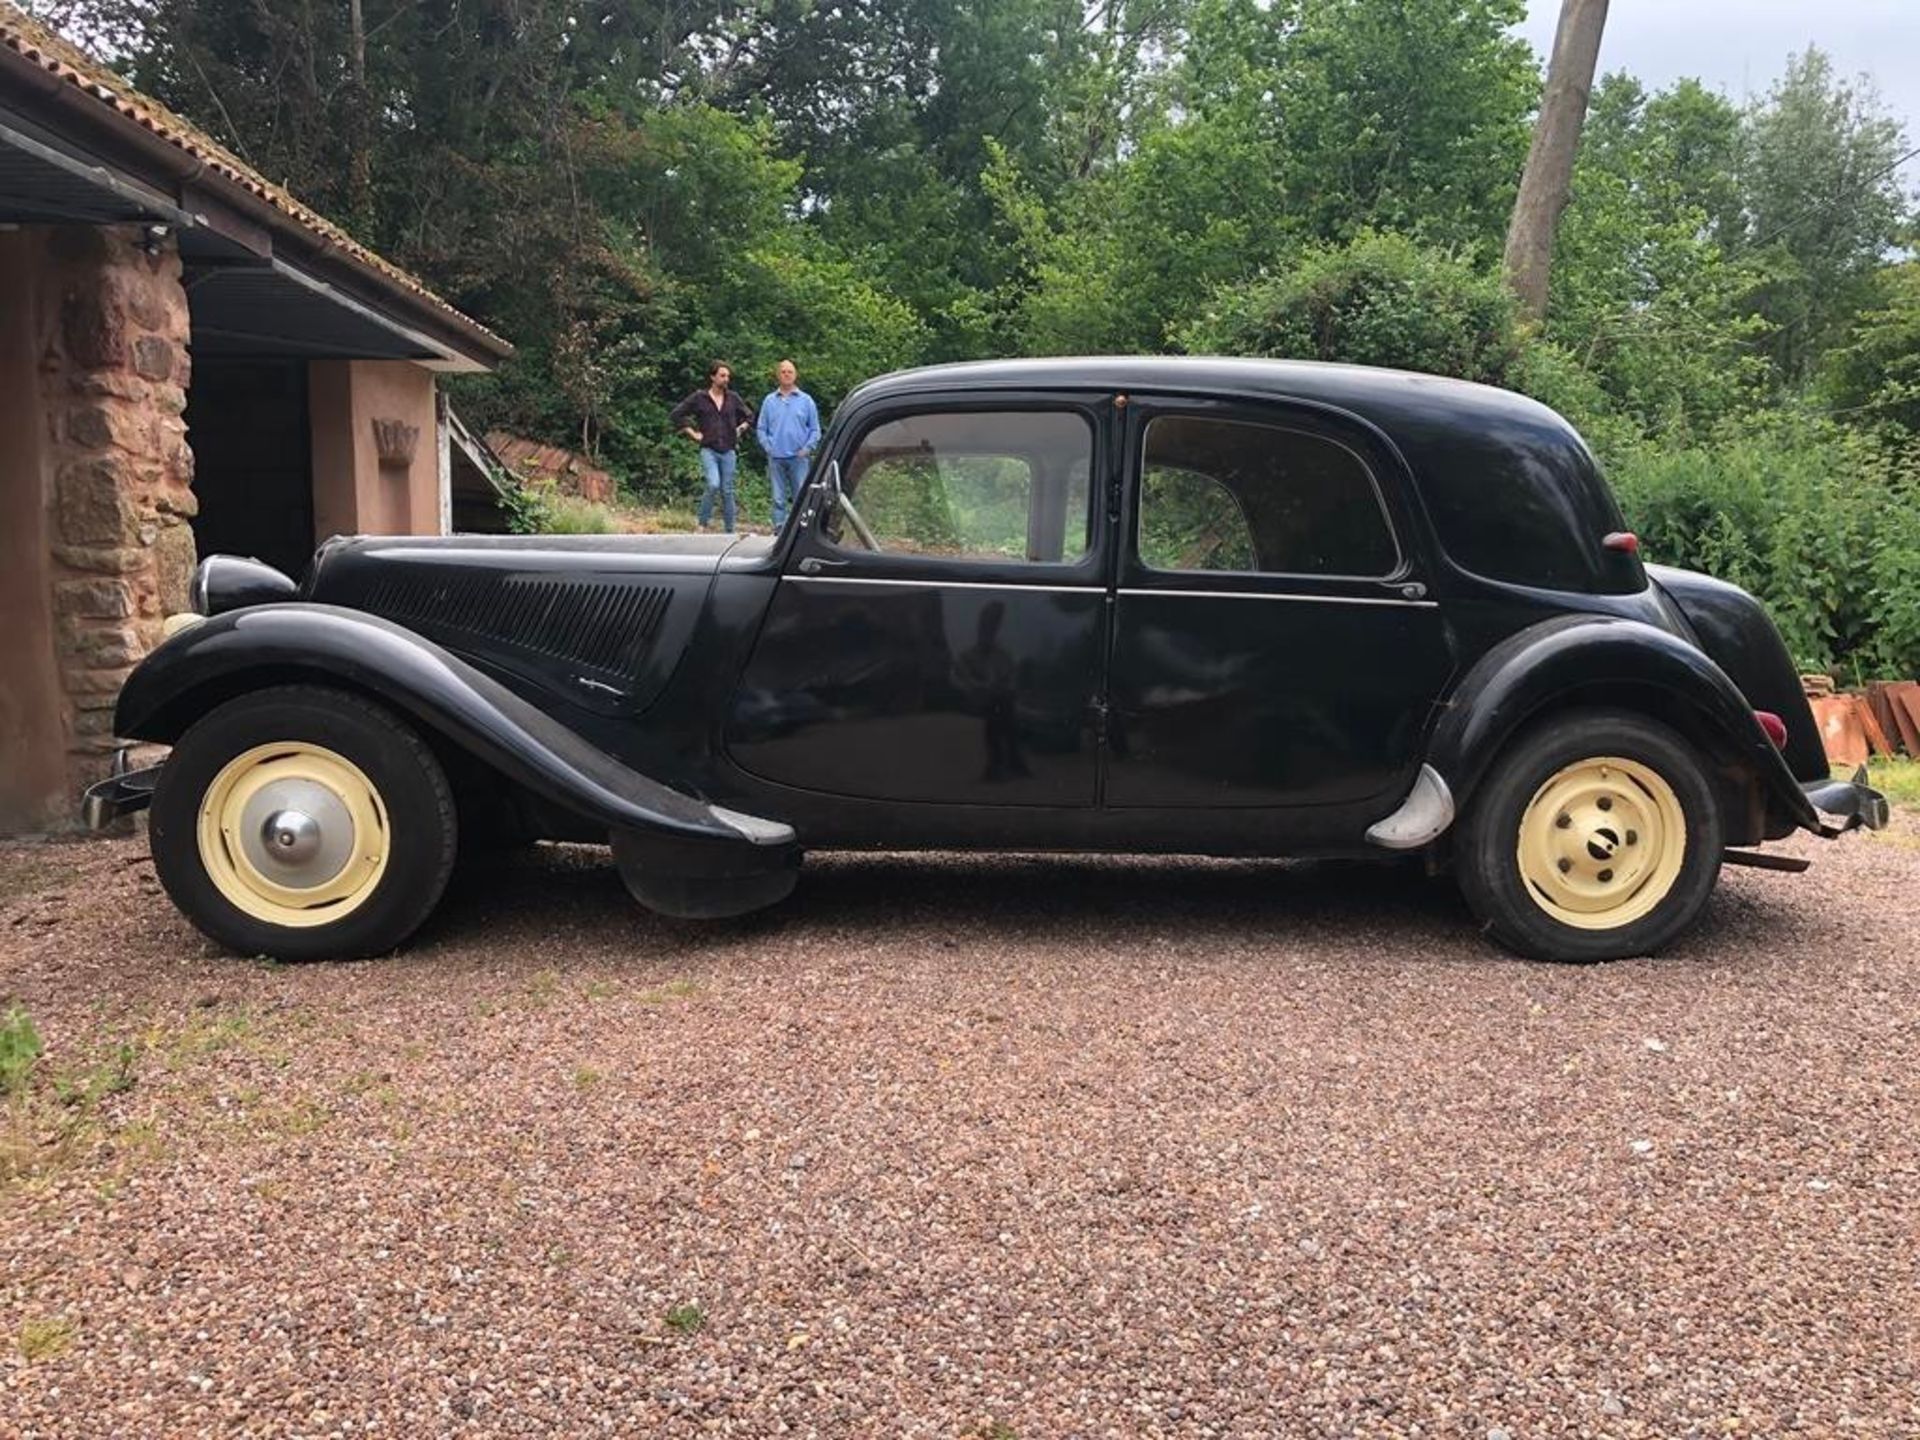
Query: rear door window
x,y
1238,496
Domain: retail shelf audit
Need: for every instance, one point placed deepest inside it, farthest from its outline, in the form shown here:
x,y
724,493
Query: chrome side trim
x,y
1298,599
1422,817
943,584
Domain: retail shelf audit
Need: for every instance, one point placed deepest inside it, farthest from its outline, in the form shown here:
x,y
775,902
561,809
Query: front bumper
x,y
1845,804
124,792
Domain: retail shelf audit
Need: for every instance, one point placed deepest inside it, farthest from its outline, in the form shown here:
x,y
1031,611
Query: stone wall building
x,y
190,361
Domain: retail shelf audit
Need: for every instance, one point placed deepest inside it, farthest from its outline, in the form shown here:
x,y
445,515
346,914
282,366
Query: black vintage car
x,y
1203,606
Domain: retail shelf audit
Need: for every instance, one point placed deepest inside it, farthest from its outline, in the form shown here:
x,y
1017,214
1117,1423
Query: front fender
x,y
202,665
1605,660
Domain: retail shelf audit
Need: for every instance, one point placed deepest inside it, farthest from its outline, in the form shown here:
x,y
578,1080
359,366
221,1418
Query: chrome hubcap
x,y
297,832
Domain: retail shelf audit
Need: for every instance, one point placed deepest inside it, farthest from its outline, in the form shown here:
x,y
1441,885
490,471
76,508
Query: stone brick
x,y
153,357
179,463
177,500
96,503
93,599
93,425
105,648
174,558
94,724
100,560
95,682
169,399
115,383
92,699
148,304
92,328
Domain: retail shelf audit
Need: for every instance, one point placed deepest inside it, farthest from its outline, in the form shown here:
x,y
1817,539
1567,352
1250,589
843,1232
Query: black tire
x,y
415,802
1588,845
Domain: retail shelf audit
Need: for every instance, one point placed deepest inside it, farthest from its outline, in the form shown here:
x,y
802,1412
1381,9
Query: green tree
x,y
1824,204
1874,378
1645,295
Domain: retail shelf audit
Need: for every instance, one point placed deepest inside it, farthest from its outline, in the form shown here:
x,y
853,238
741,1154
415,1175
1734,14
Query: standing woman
x,y
715,418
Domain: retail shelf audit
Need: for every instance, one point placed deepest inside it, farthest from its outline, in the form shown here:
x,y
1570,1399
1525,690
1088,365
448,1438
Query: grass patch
x,y
45,1338
569,515
46,1108
686,1319
672,990
1898,780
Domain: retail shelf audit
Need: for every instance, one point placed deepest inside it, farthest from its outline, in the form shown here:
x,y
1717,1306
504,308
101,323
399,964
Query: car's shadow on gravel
x,y
1031,896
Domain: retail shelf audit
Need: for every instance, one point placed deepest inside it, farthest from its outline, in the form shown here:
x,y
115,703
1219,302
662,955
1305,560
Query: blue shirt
x,y
789,424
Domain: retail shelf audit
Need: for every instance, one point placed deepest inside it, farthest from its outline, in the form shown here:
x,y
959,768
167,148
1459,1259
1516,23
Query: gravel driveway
x,y
967,1148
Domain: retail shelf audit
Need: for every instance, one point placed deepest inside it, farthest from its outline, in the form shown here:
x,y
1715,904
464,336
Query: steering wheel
x,y
860,530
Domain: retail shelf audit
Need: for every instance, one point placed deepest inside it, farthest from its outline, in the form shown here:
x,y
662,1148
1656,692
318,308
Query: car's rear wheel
x,y
1596,836
303,822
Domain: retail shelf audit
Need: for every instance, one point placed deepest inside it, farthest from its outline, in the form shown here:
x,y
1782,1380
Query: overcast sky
x,y
1741,46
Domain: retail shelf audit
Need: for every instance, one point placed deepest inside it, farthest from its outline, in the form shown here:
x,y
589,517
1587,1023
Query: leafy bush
x,y
569,515
1813,519
527,508
1380,300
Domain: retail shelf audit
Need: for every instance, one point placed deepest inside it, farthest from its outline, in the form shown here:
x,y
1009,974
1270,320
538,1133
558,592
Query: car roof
x,y
1391,399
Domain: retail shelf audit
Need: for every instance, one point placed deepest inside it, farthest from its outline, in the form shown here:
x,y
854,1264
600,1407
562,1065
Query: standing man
x,y
715,418
789,428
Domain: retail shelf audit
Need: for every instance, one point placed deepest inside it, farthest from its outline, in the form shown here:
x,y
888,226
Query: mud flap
x,y
704,882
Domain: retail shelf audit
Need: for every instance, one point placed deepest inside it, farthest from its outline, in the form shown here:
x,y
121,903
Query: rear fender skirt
x,y
199,667
1604,660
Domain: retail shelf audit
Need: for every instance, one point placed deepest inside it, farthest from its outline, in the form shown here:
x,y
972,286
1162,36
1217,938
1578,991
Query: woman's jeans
x,y
786,474
718,466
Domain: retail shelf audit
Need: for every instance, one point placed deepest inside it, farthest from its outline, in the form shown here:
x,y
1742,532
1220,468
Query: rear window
x,y
1526,505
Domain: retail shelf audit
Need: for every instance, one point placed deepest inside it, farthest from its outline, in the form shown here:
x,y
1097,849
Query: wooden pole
x,y
1548,178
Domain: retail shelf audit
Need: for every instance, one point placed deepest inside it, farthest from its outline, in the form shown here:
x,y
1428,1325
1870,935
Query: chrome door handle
x,y
813,565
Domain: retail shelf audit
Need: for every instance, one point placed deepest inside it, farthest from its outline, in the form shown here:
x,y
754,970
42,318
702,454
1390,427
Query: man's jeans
x,y
787,473
718,466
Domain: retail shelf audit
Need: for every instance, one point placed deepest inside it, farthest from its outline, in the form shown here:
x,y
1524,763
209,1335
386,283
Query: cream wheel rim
x,y
293,834
1602,843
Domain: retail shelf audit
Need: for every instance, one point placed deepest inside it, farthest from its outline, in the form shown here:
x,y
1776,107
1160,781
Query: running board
x,y
1793,864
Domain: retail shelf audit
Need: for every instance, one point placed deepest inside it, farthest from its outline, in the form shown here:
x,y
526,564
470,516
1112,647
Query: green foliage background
x,y
629,189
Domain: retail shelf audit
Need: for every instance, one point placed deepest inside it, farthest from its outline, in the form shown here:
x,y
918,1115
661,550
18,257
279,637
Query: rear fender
x,y
210,662
1591,660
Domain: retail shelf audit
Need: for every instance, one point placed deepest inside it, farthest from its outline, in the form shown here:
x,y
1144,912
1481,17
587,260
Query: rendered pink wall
x,y
354,491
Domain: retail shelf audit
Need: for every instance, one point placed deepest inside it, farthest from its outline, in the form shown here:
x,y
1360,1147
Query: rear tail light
x,y
1775,727
1625,541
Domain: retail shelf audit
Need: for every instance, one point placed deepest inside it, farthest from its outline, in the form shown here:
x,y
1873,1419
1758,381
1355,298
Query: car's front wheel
x,y
303,822
1596,836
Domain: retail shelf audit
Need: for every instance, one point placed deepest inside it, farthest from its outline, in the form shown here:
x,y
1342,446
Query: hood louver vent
x,y
604,627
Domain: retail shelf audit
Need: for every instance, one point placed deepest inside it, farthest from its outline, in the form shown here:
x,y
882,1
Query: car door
x,y
1274,642
955,653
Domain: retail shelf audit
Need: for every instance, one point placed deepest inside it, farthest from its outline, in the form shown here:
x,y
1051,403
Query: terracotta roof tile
x,y
58,56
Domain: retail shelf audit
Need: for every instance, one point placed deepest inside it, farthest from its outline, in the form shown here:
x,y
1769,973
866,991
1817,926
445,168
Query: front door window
x,y
980,487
